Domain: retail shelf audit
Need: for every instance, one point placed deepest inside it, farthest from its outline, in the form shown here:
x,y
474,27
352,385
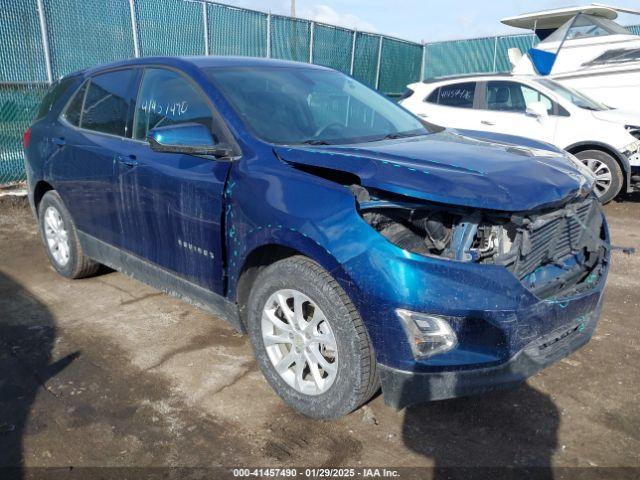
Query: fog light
x,y
428,334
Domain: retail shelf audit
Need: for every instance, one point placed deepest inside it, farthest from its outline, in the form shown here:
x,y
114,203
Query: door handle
x,y
486,122
128,160
423,115
59,141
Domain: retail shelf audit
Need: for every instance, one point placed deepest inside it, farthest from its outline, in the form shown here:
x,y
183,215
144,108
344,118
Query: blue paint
x,y
262,197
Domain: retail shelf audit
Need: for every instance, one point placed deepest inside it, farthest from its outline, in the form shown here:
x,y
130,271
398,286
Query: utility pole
x,y
293,8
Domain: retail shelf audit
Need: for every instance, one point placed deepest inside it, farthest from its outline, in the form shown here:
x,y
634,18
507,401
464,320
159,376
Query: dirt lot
x,y
109,372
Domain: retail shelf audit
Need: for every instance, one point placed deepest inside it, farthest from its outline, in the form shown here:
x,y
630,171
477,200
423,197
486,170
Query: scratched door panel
x,y
170,204
175,211
92,134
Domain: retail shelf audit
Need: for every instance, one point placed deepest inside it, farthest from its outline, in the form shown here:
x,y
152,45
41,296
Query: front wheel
x,y
309,339
607,171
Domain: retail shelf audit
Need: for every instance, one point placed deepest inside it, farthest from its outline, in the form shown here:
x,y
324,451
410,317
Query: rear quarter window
x,y
54,94
407,93
73,111
433,96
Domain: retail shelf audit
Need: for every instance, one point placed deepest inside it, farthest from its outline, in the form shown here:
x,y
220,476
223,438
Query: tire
x,y
344,387
604,164
60,239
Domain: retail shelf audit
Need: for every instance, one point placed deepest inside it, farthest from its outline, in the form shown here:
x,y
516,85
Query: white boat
x,y
584,48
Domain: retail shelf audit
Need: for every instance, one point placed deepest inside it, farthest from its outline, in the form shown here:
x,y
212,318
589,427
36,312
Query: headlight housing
x,y
428,334
444,232
633,130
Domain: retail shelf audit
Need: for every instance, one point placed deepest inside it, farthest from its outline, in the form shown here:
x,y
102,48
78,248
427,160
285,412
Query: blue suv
x,y
358,246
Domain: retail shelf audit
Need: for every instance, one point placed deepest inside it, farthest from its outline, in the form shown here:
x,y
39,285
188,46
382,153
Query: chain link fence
x,y
43,40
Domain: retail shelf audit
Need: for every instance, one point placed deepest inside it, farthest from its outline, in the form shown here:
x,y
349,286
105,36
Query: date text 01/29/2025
x,y
316,472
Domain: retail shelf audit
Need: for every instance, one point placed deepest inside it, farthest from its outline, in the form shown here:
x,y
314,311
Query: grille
x,y
554,236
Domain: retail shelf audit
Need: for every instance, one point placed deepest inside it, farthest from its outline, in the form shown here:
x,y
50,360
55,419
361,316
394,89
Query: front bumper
x,y
402,388
634,182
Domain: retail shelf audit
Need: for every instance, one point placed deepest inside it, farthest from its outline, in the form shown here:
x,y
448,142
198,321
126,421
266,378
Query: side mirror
x,y
537,110
189,138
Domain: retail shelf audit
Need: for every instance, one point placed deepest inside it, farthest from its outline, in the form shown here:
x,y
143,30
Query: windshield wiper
x,y
314,141
394,136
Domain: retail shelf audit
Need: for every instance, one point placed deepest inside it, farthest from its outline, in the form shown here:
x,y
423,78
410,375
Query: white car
x,y
605,139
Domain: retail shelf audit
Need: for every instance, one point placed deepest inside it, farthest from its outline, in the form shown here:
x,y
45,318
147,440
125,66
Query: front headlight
x,y
428,335
633,130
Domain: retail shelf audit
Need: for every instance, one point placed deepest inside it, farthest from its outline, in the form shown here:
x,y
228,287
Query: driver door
x,y
170,204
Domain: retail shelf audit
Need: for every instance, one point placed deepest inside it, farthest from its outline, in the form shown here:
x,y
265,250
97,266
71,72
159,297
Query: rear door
x,y
94,127
504,110
171,204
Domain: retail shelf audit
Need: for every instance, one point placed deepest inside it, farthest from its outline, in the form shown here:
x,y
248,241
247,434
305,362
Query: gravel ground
x,y
106,371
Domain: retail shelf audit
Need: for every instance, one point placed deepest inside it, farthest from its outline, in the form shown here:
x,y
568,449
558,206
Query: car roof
x,y
202,62
470,76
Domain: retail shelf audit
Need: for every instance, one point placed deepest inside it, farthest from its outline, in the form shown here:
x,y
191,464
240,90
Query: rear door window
x,y
168,98
108,102
459,95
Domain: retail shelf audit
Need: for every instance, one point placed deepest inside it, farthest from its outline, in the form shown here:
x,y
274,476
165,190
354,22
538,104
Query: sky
x,y
423,20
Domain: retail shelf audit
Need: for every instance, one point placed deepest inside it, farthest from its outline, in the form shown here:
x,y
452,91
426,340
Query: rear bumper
x,y
402,388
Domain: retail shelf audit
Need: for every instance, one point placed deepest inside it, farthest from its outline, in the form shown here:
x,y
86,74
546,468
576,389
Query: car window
x,y
168,98
308,105
459,95
531,96
514,97
107,103
433,97
73,111
53,95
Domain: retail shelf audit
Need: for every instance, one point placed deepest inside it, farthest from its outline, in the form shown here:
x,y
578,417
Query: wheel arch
x,y
608,149
40,188
263,255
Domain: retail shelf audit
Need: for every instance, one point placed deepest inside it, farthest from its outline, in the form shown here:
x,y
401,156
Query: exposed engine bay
x,y
553,252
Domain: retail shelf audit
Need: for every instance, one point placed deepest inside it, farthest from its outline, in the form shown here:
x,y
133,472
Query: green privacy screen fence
x,y
42,40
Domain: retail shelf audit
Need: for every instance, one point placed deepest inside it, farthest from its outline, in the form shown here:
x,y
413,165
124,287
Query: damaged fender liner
x,y
402,388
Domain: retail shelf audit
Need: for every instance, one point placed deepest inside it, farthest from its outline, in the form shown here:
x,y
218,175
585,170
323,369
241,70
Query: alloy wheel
x,y
602,173
56,236
299,342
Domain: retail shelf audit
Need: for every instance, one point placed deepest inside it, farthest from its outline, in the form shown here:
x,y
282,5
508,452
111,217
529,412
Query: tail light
x,y
26,138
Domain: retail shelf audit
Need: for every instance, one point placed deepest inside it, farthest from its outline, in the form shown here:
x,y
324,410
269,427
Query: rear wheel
x,y
61,240
309,339
607,171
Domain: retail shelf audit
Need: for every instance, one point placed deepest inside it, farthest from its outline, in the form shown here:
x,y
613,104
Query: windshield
x,y
575,97
586,26
312,106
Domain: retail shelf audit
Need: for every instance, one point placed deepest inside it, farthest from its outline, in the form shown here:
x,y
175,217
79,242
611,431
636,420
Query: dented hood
x,y
453,168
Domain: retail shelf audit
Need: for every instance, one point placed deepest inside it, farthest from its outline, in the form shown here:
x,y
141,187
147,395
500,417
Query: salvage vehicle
x,y
605,139
356,245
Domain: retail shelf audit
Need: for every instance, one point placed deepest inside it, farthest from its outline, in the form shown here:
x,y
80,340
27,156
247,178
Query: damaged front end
x,y
553,252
